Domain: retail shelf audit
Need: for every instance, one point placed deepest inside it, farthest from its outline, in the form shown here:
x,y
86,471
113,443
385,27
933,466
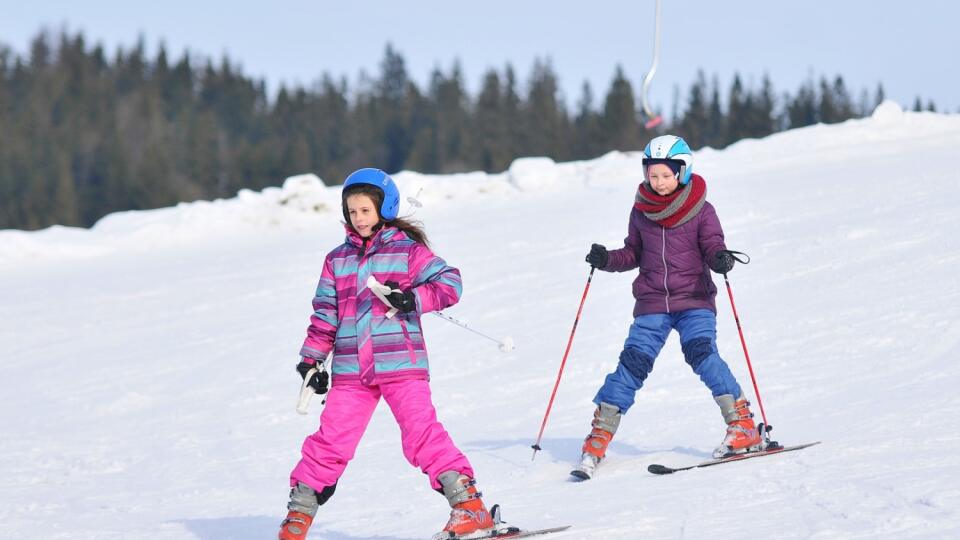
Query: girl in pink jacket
x,y
378,351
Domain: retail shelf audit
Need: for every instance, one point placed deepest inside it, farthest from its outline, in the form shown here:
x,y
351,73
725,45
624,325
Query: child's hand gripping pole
x,y
381,291
307,391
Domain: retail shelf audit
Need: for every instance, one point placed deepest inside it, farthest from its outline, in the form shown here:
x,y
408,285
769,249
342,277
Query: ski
x,y
516,532
662,469
502,530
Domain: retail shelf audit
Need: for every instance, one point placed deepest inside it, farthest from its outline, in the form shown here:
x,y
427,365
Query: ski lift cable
x,y
653,120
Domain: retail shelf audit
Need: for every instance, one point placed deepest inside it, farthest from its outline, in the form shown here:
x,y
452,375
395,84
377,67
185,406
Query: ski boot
x,y
605,421
742,434
302,508
469,518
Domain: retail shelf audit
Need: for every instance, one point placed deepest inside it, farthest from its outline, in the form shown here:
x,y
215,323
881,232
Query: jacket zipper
x,y
663,255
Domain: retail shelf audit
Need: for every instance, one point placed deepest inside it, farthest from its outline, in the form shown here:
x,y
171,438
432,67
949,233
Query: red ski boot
x,y
469,518
742,434
295,527
606,419
303,505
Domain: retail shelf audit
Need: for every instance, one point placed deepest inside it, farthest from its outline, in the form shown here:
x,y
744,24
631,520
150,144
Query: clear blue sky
x,y
908,46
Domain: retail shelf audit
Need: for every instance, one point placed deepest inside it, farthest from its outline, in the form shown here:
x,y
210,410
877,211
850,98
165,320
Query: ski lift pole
x,y
653,120
536,445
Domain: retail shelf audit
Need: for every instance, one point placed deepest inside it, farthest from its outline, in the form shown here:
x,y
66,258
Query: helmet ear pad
x,y
678,166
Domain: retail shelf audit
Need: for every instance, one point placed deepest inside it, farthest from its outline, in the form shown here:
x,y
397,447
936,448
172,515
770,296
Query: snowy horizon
x,y
148,362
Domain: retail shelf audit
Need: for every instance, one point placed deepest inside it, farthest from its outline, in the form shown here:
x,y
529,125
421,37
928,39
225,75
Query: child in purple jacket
x,y
675,238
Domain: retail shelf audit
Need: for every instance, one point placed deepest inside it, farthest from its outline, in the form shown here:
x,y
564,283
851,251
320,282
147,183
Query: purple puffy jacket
x,y
673,271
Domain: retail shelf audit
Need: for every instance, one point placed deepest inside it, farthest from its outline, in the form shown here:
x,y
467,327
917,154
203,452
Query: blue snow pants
x,y
648,333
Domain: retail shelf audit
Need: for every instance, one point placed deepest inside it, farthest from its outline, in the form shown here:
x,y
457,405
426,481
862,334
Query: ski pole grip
x,y
381,291
306,392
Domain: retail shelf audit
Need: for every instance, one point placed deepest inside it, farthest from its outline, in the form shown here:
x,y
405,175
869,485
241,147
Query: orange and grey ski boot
x,y
302,507
605,421
295,526
742,434
469,518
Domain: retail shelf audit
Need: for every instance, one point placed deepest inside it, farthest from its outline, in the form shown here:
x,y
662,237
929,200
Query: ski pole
x,y
381,291
743,342
506,345
536,445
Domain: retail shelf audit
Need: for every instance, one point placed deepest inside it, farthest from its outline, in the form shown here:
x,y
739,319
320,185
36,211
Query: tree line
x,y
83,133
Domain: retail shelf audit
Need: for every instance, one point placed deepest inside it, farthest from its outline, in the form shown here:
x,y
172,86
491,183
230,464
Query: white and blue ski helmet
x,y
381,180
670,148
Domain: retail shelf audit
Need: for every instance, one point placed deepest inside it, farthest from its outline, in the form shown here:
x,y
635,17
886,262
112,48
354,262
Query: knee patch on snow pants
x,y
638,364
696,351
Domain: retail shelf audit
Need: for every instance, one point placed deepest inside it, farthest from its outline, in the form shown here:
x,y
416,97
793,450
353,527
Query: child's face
x,y
662,179
363,214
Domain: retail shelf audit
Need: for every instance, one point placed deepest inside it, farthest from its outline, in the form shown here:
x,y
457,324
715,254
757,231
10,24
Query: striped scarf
x,y
675,209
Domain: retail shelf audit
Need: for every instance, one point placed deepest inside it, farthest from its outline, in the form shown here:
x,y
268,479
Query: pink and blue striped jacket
x,y
368,348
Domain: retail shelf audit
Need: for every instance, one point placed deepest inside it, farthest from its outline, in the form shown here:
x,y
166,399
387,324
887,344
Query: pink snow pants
x,y
349,407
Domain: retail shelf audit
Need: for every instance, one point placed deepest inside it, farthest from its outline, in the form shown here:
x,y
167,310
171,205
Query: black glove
x,y
722,262
319,381
597,256
404,301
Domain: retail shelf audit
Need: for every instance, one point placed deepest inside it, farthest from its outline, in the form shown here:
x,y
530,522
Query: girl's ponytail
x,y
413,229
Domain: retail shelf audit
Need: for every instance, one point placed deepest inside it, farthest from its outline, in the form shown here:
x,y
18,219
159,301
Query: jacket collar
x,y
379,238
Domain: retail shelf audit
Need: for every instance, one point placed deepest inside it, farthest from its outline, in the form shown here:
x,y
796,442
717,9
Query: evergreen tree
x,y
588,132
512,105
426,152
619,121
453,124
802,110
827,112
738,106
543,116
391,115
335,136
696,118
763,114
879,96
842,101
713,135
492,125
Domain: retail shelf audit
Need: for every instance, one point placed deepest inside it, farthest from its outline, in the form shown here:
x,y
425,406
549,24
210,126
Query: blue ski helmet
x,y
381,180
670,148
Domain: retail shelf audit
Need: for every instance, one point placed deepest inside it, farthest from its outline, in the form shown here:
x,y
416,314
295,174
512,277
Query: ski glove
x,y
319,381
722,262
597,256
404,301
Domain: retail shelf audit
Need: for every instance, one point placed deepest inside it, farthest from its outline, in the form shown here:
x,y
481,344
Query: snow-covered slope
x,y
148,387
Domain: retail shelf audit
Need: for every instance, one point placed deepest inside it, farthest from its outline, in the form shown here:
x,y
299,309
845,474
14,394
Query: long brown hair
x,y
413,229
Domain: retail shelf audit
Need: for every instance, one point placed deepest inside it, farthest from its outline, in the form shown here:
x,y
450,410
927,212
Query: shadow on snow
x,y
260,527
